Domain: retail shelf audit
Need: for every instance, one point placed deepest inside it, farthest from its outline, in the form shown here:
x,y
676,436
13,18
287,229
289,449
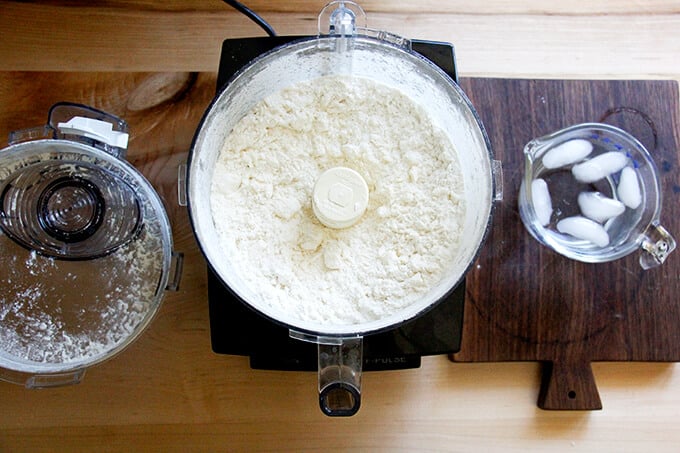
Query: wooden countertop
x,y
170,392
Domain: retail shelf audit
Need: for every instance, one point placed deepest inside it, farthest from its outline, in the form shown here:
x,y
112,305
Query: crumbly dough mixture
x,y
262,190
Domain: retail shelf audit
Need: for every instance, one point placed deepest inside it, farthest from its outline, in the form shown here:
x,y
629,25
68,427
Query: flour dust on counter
x,y
261,200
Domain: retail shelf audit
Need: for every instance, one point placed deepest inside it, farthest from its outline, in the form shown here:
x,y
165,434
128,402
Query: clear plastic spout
x,y
340,367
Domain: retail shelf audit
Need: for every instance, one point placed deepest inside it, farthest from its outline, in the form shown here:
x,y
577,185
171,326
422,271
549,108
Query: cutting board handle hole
x,y
571,395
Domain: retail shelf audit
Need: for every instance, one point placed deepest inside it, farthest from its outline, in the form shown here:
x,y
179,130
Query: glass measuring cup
x,y
591,192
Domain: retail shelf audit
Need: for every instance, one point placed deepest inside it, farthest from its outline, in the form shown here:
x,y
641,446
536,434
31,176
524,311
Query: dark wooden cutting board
x,y
524,302
527,303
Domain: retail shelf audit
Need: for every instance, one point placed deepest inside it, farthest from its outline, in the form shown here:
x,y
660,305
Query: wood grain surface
x,y
169,388
599,39
526,302
168,391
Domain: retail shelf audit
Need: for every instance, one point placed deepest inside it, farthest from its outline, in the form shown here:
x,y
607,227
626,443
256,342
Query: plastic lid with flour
x,y
340,197
85,250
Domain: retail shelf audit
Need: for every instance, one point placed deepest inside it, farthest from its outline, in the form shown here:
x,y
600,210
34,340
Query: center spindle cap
x,y
340,197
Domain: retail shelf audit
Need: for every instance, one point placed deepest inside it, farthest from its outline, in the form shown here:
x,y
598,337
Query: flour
x,y
55,311
261,201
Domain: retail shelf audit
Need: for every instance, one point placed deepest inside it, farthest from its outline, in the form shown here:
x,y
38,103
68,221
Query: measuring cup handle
x,y
656,246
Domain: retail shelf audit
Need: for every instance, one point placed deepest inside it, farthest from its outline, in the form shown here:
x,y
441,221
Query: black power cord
x,y
241,8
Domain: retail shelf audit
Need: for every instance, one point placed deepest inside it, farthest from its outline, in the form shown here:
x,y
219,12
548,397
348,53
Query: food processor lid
x,y
85,243
63,202
68,201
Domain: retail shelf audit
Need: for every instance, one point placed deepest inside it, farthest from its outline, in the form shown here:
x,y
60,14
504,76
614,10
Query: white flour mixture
x,y
403,244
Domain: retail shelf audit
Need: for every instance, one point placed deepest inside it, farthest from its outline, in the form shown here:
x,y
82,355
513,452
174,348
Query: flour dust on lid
x,y
81,281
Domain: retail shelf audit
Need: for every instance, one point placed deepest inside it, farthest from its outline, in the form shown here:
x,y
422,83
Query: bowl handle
x,y
340,366
656,246
41,381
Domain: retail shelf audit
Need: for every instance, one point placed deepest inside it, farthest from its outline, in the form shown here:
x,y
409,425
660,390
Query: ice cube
x,y
599,166
540,196
582,228
567,153
599,208
629,188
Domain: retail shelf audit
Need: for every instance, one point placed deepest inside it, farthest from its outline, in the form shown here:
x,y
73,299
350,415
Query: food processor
x,y
344,46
